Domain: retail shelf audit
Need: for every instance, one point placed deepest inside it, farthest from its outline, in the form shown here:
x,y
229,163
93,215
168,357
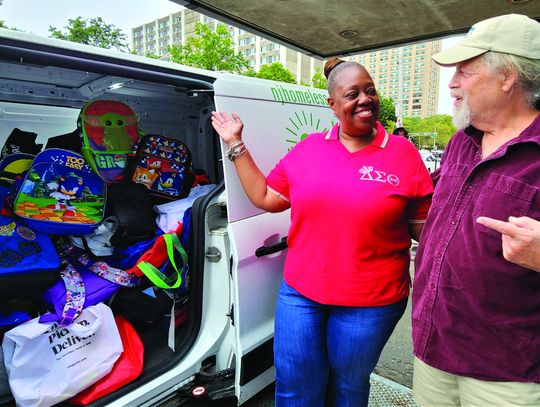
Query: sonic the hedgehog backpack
x,y
109,131
163,165
61,195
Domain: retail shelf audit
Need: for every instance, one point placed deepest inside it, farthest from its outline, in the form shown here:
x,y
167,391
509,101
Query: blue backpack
x,y
28,260
61,195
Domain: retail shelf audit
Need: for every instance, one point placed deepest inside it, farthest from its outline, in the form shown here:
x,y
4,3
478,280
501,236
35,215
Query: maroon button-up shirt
x,y
474,313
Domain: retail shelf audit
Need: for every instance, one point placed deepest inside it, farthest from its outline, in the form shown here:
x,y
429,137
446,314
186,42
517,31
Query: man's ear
x,y
509,79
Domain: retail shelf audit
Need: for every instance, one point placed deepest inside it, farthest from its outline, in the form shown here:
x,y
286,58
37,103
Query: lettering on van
x,y
281,94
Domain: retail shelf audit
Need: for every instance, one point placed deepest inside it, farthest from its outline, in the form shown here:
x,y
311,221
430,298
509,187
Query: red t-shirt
x,y
349,239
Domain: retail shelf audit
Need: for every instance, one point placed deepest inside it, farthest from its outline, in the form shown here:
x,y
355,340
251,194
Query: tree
x,y
318,80
387,112
439,126
212,50
276,72
93,31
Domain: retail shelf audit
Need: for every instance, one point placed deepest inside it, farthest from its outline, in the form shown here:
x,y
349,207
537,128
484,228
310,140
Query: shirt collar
x,y
380,140
531,133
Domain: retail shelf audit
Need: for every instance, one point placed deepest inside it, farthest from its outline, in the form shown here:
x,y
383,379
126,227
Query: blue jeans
x,y
324,354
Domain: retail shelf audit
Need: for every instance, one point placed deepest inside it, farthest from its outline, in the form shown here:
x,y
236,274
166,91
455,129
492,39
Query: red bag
x,y
126,369
157,255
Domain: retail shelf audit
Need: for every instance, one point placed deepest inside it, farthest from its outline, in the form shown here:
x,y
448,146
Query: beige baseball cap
x,y
513,34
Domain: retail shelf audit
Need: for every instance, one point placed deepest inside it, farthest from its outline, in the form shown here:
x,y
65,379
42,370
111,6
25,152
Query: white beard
x,y
462,115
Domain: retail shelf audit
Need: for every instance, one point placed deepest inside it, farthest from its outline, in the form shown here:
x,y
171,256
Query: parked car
x,y
429,160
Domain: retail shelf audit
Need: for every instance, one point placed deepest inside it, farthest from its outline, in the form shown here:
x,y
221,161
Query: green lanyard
x,y
159,279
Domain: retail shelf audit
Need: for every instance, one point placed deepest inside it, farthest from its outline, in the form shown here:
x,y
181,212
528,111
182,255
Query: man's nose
x,y
454,83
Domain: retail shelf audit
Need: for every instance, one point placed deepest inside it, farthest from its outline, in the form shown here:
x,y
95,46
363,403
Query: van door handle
x,y
266,250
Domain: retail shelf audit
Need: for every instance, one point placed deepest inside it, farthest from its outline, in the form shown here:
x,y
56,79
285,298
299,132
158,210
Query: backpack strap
x,y
159,279
112,274
75,294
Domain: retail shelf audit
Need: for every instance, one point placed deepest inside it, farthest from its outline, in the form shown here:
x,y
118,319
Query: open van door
x,y
276,116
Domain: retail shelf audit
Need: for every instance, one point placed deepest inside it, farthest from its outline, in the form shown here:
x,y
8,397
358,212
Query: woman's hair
x,y
528,71
331,69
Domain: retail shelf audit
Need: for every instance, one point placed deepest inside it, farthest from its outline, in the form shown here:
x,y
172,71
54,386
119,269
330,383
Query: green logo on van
x,y
302,124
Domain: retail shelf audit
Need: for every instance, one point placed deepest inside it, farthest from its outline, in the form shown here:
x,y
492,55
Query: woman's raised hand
x,y
229,129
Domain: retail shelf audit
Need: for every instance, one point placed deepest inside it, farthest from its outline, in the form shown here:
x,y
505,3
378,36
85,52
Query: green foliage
x,y
275,72
440,124
250,72
3,25
93,31
387,112
318,80
212,50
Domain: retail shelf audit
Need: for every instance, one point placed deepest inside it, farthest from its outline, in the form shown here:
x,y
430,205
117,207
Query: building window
x,y
269,59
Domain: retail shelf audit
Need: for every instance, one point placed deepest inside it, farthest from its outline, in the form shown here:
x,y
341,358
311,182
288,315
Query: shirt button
x,y
453,222
432,286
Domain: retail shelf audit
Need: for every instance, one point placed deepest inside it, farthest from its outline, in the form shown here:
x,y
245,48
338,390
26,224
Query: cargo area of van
x,y
43,91
219,343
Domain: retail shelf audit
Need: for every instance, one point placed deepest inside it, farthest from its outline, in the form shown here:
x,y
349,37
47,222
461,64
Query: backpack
x,y
131,205
109,131
163,165
29,262
60,194
12,169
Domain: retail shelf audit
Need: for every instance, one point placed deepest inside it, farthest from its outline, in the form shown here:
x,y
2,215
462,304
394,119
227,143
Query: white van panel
x,y
276,116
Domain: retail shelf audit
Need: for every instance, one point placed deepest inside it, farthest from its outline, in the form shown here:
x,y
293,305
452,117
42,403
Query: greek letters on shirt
x,y
368,173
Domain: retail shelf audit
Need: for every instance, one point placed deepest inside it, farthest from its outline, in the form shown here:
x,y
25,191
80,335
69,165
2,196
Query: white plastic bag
x,y
47,363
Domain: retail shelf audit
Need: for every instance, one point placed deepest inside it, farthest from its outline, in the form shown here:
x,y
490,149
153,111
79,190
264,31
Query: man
x,y
401,131
476,296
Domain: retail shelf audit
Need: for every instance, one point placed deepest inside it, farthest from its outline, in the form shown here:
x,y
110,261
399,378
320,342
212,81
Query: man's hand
x,y
520,239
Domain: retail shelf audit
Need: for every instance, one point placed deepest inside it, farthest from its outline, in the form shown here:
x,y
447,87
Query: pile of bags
x,y
89,237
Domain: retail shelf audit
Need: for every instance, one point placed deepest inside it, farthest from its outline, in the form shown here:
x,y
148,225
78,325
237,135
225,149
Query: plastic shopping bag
x,y
48,363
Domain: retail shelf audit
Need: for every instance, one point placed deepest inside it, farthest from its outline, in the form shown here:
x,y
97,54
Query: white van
x,y
237,251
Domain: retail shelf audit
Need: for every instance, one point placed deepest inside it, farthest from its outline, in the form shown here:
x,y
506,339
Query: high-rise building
x,y
419,90
411,65
156,36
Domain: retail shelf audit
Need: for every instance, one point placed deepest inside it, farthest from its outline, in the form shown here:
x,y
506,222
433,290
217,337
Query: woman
x,y
357,195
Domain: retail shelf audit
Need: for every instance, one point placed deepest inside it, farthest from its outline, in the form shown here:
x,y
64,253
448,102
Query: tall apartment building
x,y
419,75
155,37
419,91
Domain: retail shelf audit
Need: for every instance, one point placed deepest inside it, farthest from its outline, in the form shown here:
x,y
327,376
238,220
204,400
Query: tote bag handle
x,y
159,279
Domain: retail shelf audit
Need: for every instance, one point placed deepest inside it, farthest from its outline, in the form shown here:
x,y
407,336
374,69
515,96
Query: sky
x,y
35,16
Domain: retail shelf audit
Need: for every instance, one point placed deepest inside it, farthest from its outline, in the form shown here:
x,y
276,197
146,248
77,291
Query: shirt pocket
x,y
447,184
502,197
